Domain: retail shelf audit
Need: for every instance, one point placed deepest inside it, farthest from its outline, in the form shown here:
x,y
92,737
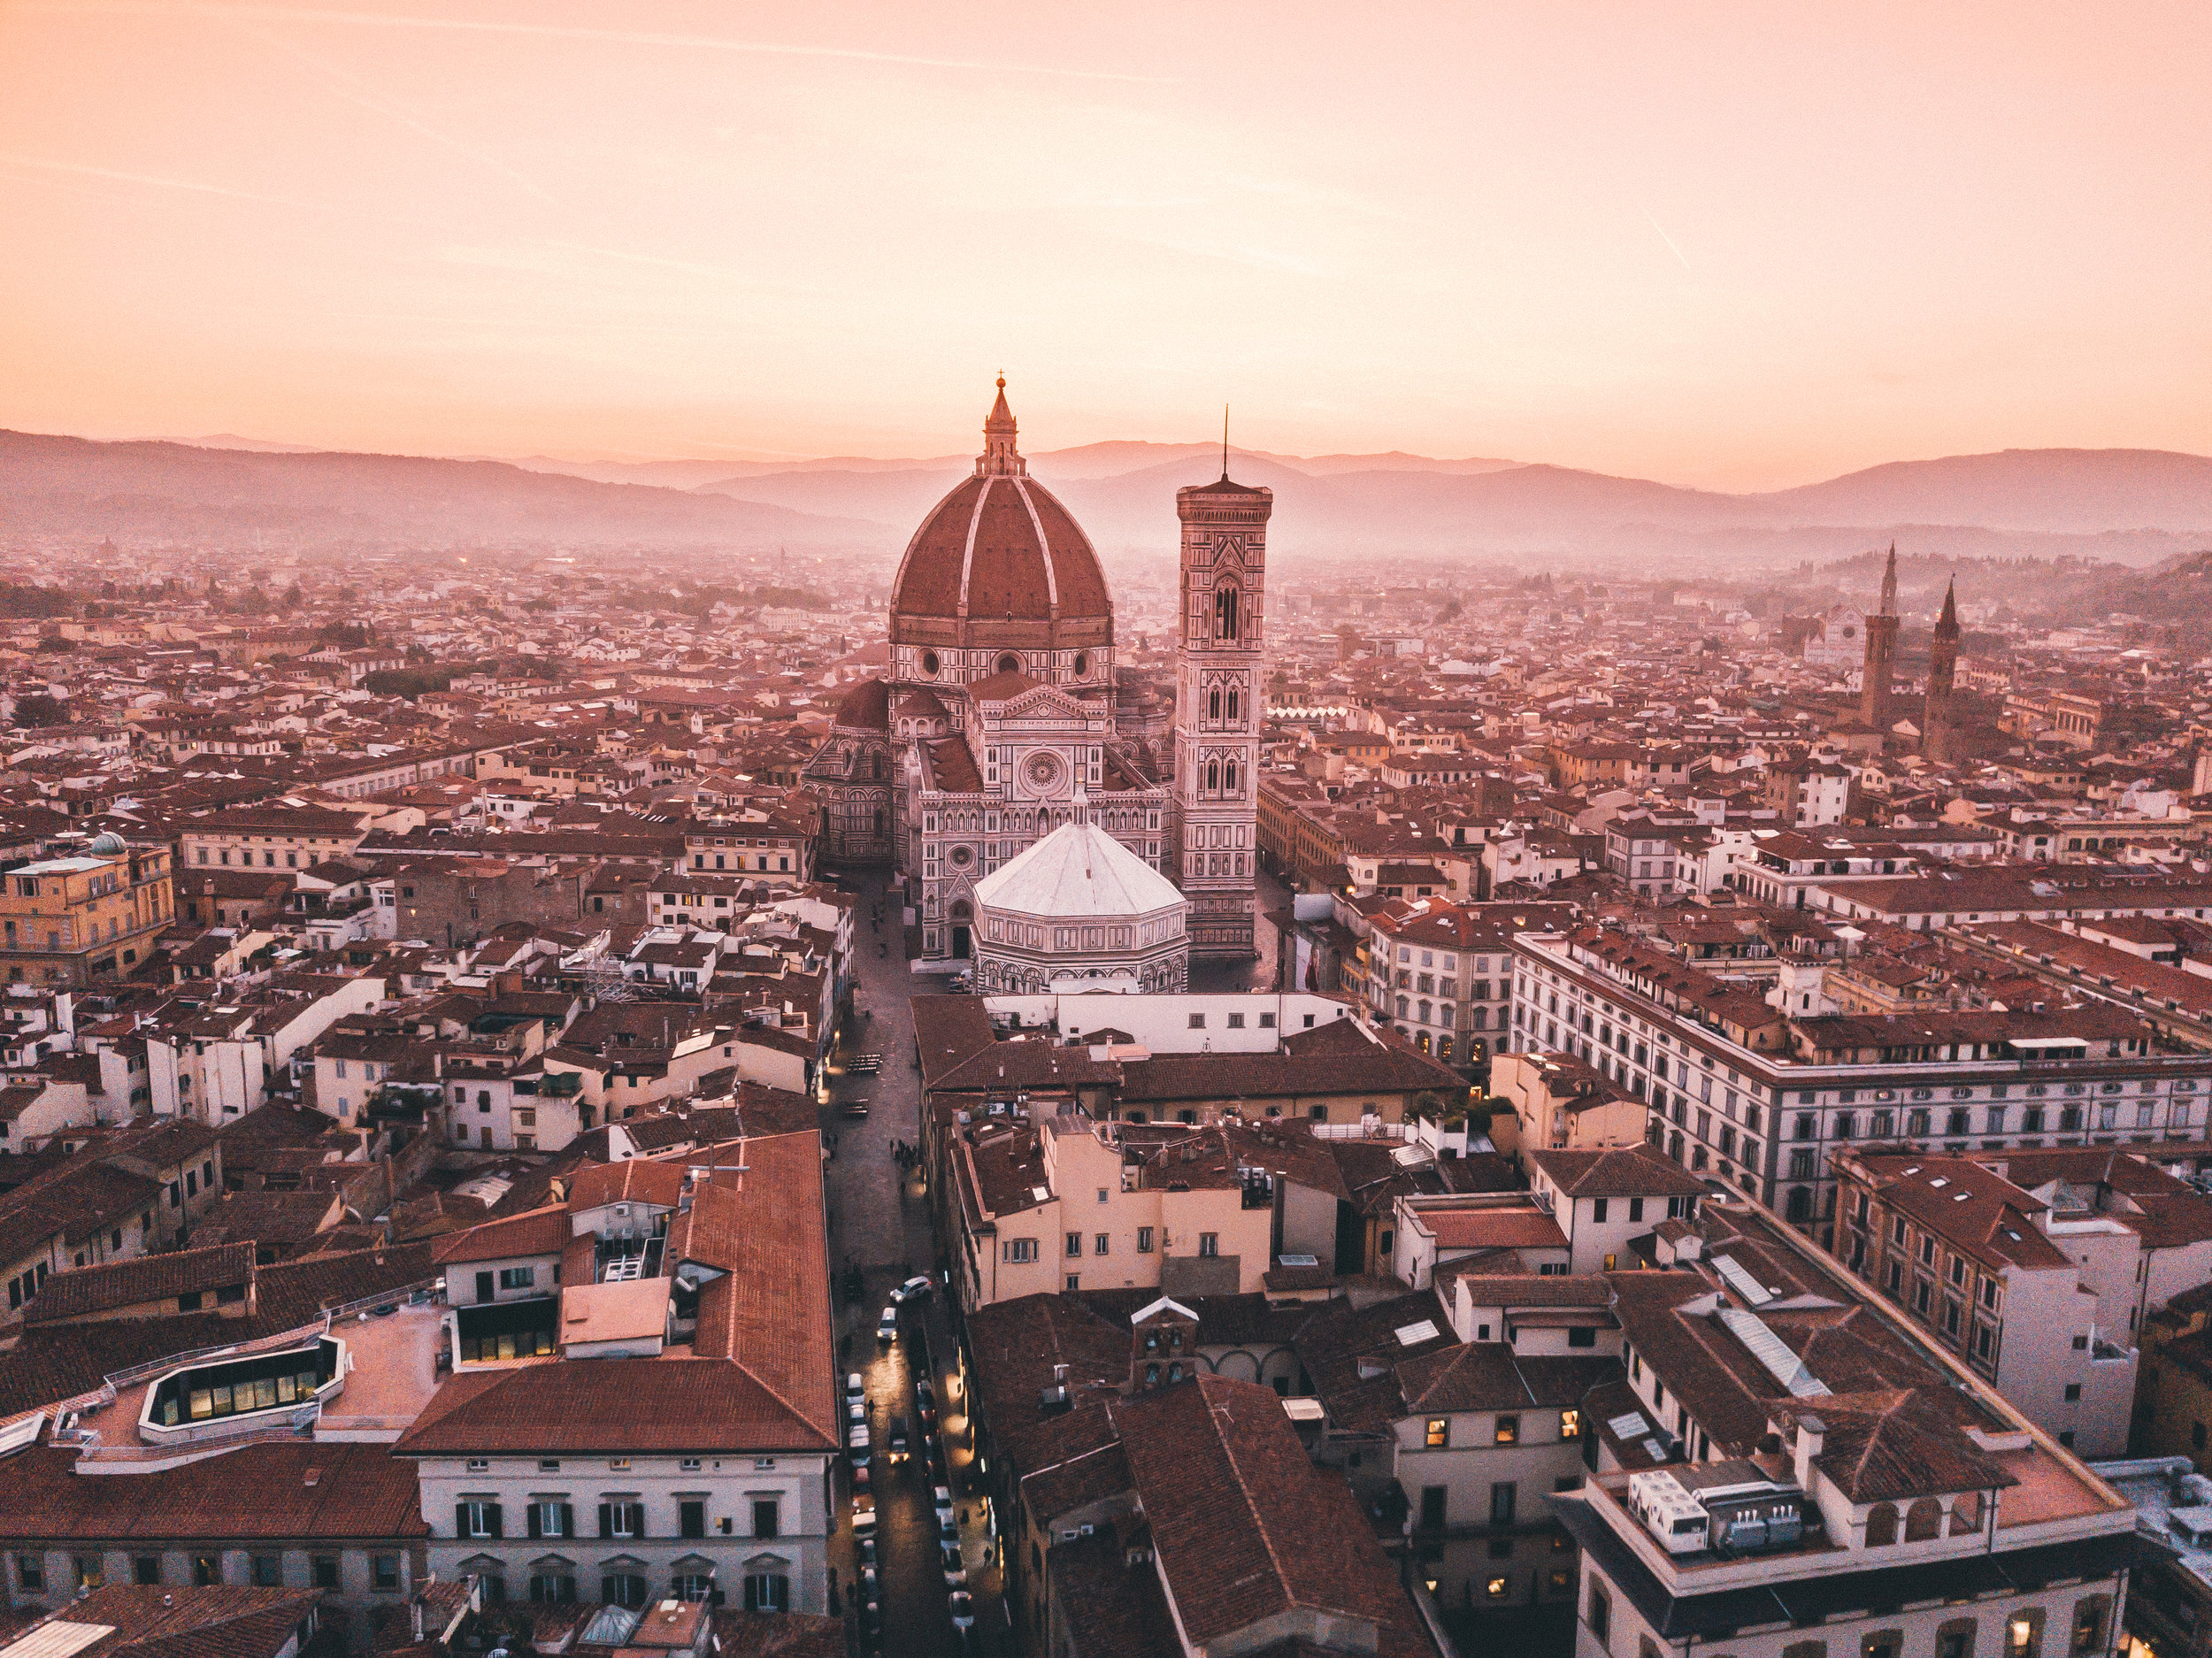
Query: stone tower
x,y
1939,726
1881,652
1220,666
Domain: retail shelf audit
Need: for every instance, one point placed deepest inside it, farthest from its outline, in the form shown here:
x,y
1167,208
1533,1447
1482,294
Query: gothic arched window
x,y
1232,707
1229,776
1225,612
1213,703
1213,774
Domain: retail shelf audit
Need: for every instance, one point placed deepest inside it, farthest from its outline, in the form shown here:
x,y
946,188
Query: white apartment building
x,y
1746,1094
705,1472
1792,1471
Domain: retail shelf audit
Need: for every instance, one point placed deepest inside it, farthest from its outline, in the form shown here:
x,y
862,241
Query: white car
x,y
944,1504
913,1289
857,1437
888,1326
963,1610
854,1388
865,1519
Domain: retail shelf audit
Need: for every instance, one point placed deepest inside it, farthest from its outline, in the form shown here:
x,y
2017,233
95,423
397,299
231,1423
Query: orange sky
x,y
1740,246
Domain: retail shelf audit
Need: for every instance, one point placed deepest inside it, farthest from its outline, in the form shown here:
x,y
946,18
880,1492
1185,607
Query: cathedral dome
x,y
1001,562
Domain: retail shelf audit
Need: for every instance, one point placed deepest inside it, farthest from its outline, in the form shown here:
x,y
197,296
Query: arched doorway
x,y
962,932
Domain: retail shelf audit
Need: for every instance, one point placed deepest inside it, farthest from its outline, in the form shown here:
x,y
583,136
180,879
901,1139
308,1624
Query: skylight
x,y
1771,1351
1414,1335
1740,1279
1941,1181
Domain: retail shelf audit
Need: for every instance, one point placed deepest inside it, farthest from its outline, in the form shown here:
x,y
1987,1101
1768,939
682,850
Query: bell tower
x,y
1881,652
1939,723
1219,669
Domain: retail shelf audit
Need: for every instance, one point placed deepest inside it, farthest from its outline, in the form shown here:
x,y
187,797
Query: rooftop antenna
x,y
1224,443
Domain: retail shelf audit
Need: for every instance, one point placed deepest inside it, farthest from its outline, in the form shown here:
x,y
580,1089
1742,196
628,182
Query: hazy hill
x,y
2075,490
175,490
2136,506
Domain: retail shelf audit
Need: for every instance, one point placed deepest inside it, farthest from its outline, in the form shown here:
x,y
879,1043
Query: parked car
x,y
963,1610
925,1401
864,1521
888,1326
871,1624
914,1289
862,1479
857,1437
868,1551
955,1569
943,1497
896,1444
854,1388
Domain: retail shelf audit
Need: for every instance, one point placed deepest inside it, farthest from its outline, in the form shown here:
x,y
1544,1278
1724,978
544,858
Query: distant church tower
x,y
1219,668
1939,726
1881,652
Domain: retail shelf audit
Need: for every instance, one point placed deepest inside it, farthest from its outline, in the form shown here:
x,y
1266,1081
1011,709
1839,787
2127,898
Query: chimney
x,y
1812,1434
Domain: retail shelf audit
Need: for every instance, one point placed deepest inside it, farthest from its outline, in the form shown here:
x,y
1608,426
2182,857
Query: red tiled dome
x,y
866,707
1001,548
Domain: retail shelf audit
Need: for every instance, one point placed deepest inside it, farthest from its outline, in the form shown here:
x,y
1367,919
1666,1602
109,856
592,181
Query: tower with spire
x,y
1220,663
1000,458
1939,726
1881,653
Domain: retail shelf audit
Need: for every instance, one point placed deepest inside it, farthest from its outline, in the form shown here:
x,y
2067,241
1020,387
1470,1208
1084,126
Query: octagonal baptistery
x,y
1080,911
1000,579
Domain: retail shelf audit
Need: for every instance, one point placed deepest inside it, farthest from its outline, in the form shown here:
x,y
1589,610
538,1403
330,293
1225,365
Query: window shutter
x,y
608,1587
606,1529
460,1519
568,1522
532,1511
491,1519
637,1519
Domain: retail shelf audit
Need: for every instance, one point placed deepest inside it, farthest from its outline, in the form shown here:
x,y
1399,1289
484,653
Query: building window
x,y
326,1572
1075,1243
1439,1434
1570,1424
1502,1495
767,1591
2089,1620
1209,1245
1509,1430
766,1517
384,1570
1144,1241
1598,1617
622,1519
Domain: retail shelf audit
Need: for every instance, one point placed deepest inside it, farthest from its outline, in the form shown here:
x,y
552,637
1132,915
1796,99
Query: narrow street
x,y
879,1221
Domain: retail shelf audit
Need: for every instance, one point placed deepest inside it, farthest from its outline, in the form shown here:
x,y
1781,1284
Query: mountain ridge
x,y
2147,502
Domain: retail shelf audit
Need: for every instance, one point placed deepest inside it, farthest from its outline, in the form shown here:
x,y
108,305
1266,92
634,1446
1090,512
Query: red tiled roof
x,y
612,1407
1247,1529
91,1290
540,1232
356,1490
866,707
